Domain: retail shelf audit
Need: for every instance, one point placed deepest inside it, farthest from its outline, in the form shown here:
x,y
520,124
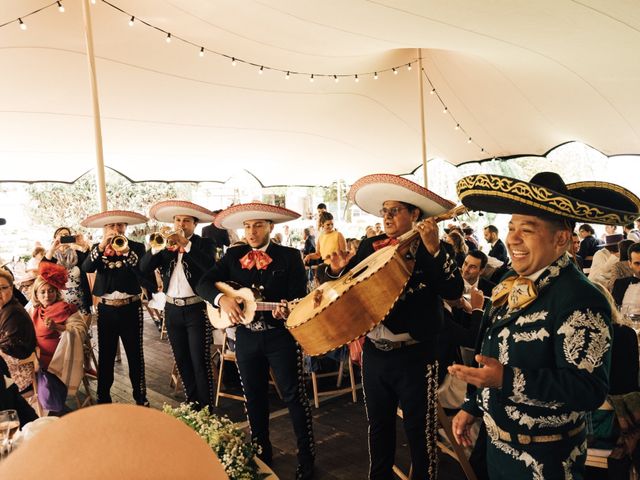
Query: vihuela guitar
x,y
251,303
339,311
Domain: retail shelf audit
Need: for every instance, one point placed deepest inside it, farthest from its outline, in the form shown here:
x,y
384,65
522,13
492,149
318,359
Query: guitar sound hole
x,y
359,272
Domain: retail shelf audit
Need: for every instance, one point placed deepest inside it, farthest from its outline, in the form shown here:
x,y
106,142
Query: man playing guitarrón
x,y
277,272
399,353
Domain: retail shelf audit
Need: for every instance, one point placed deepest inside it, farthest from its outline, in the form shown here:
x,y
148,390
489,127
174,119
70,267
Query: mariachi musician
x,y
183,257
116,263
277,273
398,360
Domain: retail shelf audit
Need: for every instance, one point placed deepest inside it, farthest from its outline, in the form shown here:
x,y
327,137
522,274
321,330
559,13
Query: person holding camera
x,y
70,251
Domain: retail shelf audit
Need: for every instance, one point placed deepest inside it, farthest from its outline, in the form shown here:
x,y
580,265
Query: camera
x,y
68,239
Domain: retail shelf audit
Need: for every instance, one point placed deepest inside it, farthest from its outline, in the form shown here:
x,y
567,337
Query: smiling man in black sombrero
x,y
544,355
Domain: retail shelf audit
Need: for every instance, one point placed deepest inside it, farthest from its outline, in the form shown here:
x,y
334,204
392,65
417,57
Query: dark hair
x,y
635,248
321,205
468,230
480,256
325,217
587,228
629,226
492,229
60,229
623,248
307,232
459,244
37,250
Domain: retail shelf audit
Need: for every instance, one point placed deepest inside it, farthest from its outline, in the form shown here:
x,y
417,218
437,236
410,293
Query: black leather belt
x,y
183,302
388,345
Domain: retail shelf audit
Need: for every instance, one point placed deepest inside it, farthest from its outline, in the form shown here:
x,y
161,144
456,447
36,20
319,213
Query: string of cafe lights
x,y
445,110
21,19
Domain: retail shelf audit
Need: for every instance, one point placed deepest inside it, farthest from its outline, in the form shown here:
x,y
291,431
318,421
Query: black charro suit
x,y
406,375
620,288
119,273
266,343
188,327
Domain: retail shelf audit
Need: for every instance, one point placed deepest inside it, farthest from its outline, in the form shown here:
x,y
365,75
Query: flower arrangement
x,y
225,439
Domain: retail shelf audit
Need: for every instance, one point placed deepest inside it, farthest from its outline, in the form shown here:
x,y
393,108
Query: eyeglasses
x,y
392,212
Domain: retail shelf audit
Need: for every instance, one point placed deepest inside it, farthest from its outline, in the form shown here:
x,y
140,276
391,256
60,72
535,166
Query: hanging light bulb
x,y
433,91
202,51
60,7
311,78
93,2
445,110
168,38
355,78
132,21
336,79
409,67
261,71
482,150
469,140
457,127
287,76
233,61
23,26
375,75
395,72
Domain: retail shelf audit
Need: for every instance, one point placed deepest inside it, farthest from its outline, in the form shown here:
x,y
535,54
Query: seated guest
x,y
631,232
574,251
50,314
626,291
17,336
498,249
472,269
588,245
460,249
469,238
621,268
10,398
605,258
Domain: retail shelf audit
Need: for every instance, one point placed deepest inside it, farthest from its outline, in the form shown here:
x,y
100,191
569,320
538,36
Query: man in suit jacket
x,y
219,235
277,273
182,264
498,249
118,285
621,285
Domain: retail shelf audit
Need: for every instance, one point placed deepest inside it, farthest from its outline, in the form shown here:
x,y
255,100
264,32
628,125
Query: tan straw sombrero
x,y
546,194
165,211
234,216
371,191
114,441
99,220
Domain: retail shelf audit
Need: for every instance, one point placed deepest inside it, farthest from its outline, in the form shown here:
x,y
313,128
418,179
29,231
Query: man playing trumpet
x,y
115,261
182,258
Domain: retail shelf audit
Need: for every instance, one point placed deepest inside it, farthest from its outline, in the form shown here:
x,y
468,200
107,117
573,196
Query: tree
x,y
55,205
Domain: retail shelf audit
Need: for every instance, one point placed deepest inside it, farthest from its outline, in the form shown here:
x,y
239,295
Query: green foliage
x,y
54,204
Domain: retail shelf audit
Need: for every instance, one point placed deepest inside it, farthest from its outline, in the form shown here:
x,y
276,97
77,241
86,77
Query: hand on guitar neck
x,y
233,307
428,230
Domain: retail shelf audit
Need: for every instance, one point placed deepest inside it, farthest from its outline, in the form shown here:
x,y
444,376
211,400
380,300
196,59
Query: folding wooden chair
x,y
339,390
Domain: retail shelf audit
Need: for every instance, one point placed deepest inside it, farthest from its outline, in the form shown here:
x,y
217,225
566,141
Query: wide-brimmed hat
x,y
234,216
165,211
611,240
546,194
371,191
54,274
127,441
99,220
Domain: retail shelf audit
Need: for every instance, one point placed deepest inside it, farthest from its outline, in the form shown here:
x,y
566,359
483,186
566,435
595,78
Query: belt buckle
x,y
179,302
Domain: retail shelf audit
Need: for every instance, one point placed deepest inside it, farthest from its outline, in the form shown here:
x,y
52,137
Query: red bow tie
x,y
255,258
378,244
109,251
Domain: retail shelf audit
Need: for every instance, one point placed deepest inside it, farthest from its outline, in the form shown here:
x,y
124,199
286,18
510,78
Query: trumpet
x,y
160,240
157,241
119,243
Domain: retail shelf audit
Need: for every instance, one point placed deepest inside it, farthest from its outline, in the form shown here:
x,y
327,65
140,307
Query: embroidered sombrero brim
x,y
99,220
371,191
589,202
165,211
235,216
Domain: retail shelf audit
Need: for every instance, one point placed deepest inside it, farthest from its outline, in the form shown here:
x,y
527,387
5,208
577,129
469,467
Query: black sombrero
x,y
546,194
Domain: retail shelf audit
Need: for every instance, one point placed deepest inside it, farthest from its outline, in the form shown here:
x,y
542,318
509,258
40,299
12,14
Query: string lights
x,y
445,110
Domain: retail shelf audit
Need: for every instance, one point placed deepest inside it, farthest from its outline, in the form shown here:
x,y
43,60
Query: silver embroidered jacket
x,y
556,353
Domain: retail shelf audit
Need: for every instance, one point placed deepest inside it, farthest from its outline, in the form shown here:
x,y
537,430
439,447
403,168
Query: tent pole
x,y
88,35
423,130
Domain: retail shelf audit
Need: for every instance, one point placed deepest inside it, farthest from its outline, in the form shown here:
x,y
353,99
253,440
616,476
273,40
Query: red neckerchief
x,y
58,312
256,258
378,244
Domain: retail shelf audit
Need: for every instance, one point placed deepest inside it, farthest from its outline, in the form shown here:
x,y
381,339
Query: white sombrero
x,y
99,220
371,191
234,216
165,211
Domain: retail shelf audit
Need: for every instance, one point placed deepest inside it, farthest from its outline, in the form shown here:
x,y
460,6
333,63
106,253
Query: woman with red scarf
x,y
50,314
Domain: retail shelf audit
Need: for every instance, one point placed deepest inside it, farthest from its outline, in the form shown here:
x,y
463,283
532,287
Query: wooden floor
x,y
340,426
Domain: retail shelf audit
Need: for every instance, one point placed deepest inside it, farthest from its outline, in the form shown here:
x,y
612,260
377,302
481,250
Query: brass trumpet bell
x,y
157,241
120,243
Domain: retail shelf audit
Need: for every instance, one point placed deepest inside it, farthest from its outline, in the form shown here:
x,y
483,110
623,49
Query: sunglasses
x,y
392,212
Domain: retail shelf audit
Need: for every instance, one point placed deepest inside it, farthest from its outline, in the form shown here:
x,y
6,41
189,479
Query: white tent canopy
x,y
519,77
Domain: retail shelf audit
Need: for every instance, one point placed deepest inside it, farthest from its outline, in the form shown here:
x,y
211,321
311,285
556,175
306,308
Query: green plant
x,y
225,439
